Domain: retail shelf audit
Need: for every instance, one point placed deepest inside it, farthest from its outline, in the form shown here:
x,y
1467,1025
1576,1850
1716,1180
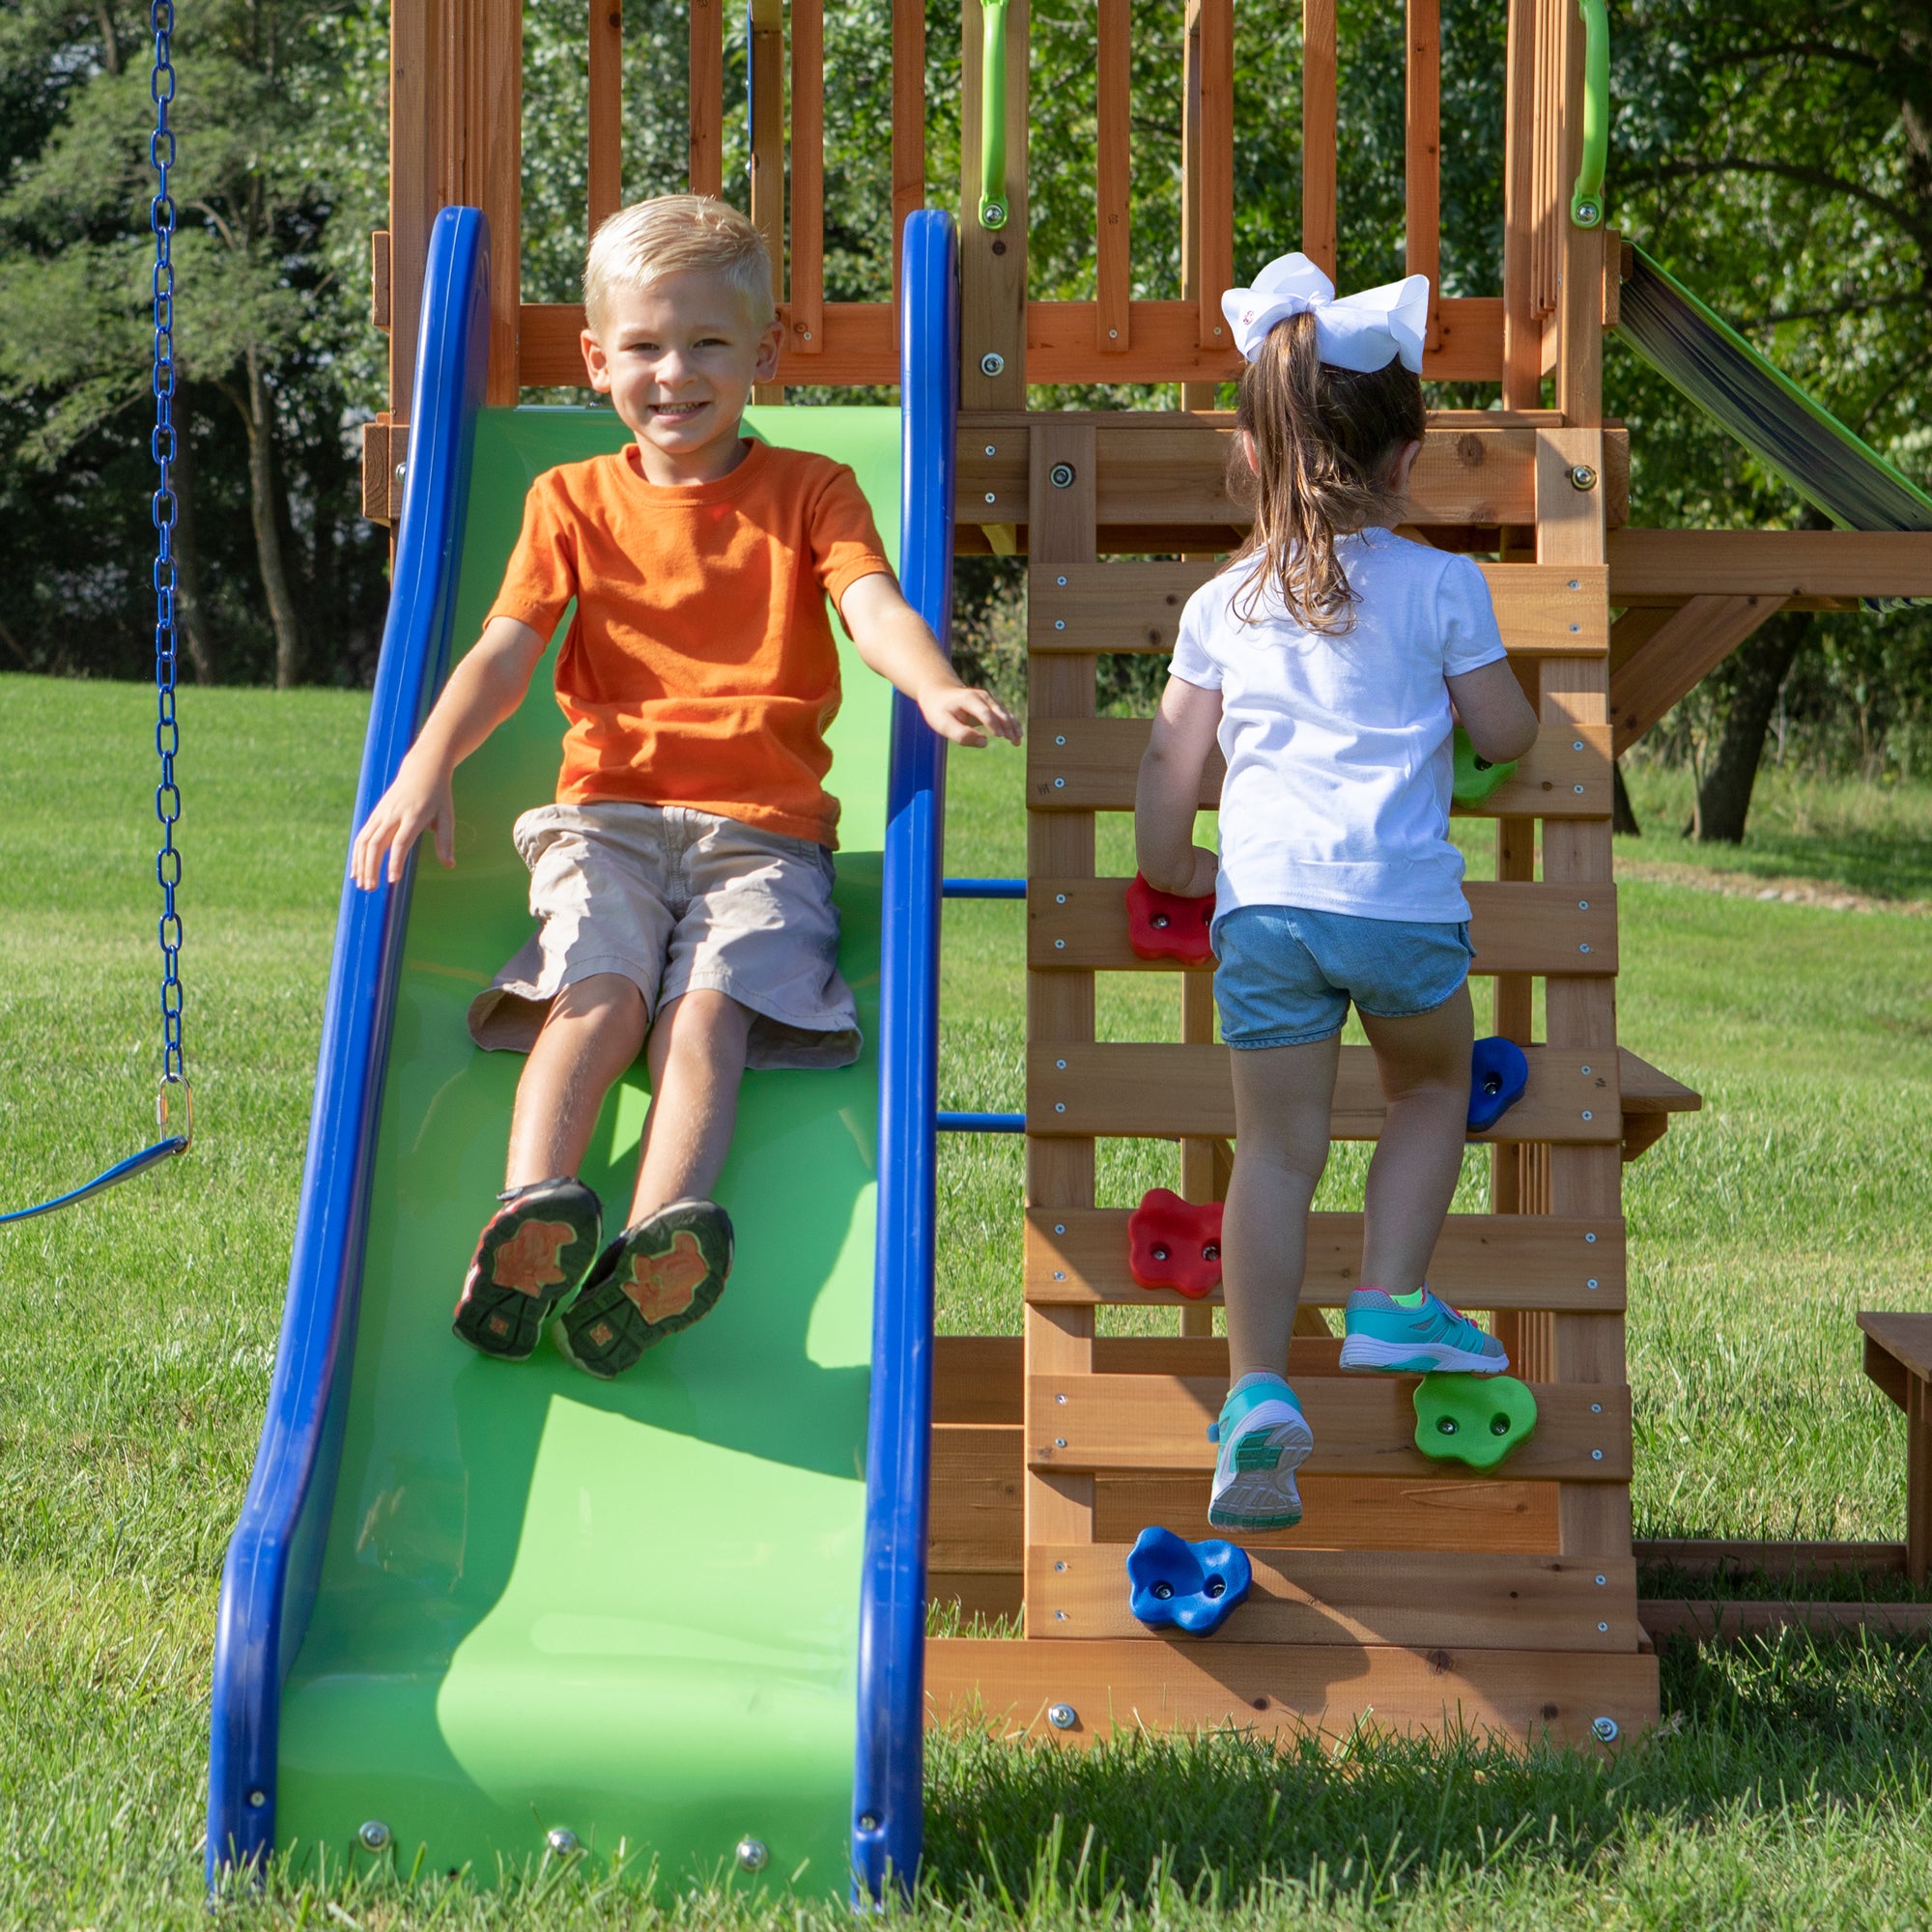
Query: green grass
x,y
1792,1786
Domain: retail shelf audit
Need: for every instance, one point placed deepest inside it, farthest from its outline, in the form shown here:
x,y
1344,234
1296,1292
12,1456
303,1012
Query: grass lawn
x,y
1791,1786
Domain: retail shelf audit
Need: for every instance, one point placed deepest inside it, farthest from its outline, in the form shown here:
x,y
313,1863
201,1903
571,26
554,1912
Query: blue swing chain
x,y
167,733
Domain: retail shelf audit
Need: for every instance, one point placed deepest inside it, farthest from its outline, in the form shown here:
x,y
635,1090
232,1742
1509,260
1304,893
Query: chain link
x,y
162,445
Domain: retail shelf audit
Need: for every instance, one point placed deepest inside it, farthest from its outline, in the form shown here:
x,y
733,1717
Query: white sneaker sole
x,y
1263,1494
1417,1358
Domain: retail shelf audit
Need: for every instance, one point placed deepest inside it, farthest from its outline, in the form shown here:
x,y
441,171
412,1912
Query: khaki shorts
x,y
677,901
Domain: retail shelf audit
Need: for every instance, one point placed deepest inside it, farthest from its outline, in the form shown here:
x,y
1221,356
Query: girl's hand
x,y
417,802
965,714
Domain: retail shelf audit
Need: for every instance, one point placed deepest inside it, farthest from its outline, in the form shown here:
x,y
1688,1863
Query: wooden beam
x,y
908,126
1667,566
1518,1697
1214,211
1522,329
708,98
1422,155
1730,1622
1317,134
605,164
766,55
1112,165
993,262
806,301
1683,651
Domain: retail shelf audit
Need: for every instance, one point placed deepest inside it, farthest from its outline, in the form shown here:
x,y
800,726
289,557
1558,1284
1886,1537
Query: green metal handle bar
x,y
1586,201
993,115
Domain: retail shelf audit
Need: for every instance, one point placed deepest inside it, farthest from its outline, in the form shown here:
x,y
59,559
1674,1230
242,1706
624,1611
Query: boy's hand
x,y
415,804
966,715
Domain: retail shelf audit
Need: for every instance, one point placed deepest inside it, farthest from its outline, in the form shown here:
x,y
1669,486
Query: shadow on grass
x,y
1751,1728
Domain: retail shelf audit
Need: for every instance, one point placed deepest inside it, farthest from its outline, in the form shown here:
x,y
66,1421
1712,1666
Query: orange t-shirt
x,y
700,669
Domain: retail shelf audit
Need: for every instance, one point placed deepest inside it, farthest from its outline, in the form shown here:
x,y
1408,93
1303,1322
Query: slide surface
x,y
476,1603
1780,423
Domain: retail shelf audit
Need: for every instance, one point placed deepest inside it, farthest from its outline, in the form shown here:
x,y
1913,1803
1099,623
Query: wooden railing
x,y
456,81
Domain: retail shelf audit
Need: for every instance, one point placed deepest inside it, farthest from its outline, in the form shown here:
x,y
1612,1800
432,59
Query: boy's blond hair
x,y
642,244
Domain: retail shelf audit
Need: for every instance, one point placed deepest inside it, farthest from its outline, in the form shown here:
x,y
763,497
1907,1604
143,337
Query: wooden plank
x,y
1128,1685
1418,1599
1318,134
413,198
1714,1556
767,158
1651,566
1363,1425
976,1512
1091,765
1113,163
1515,928
977,1377
1481,1260
1731,1622
606,163
1682,652
1649,1089
1542,611
1213,216
494,136
1422,159
908,126
856,345
1523,334
1579,340
1143,1091
806,333
708,98
993,262
992,1595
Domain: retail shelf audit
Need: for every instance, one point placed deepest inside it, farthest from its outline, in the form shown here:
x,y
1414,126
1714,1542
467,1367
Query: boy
x,y
684,874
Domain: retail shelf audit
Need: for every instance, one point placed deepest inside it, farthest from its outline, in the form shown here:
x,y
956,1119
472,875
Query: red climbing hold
x,y
1175,1243
1164,925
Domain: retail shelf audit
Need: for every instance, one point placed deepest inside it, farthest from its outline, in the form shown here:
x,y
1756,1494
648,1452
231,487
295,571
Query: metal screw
x,y
1589,1238
1587,1114
1059,1106
1574,582
991,451
1060,1566
1595,1455
1574,628
1582,477
1587,214
1060,1442
993,363
1602,1626
1583,949
1060,899
1596,1409
1061,477
990,497
752,1855
1060,1616
1059,1274
257,1798
1601,1581
1591,1282
373,1836
1060,946
1583,905
1606,1730
806,333
1061,739
1577,789
562,1840
994,215
402,470
1060,1227
1059,784
1062,1716
1587,1069
1576,744
1059,1398
869,1821
1060,624
1062,1065
1062,581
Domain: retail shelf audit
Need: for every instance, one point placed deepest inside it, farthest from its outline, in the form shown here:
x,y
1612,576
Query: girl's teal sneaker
x,y
1263,1440
1426,1338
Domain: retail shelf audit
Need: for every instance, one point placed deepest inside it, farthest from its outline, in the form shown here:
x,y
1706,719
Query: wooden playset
x,y
1415,1592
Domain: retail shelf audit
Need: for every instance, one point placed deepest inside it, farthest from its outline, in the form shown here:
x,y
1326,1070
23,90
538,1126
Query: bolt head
x,y
752,1855
562,1840
1061,475
1062,1716
1606,1730
993,363
993,216
256,1799
869,1821
372,1837
1582,477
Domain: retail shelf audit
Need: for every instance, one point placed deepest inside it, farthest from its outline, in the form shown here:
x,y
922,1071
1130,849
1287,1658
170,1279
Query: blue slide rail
x,y
887,1785
268,1581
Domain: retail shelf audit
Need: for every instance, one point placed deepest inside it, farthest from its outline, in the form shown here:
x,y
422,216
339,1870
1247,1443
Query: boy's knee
x,y
604,1003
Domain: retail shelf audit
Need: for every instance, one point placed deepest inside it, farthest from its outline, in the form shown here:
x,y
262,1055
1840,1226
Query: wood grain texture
x,y
1422,131
1542,611
993,262
1515,928
1213,213
1364,1426
1522,332
1678,656
1091,765
1416,1600
1112,185
706,174
1482,1260
1671,565
1318,134
856,345
1162,1092
605,160
908,126
1519,1697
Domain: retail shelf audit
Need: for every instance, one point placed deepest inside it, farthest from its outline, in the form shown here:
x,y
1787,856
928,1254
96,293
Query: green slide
x,y
627,1611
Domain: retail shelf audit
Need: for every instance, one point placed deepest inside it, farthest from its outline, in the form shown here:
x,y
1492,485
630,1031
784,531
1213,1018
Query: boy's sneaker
x,y
534,1253
1263,1440
1416,1336
657,1277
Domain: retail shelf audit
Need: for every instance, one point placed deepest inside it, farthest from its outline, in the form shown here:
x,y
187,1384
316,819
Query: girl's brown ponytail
x,y
1325,440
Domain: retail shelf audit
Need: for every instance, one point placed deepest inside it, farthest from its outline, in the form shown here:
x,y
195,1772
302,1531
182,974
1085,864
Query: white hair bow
x,y
1364,331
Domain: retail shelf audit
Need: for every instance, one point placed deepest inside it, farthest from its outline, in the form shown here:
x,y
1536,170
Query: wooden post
x,y
1523,330
908,128
1580,310
766,54
606,111
1207,178
993,262
807,335
1422,158
1318,133
1113,169
708,98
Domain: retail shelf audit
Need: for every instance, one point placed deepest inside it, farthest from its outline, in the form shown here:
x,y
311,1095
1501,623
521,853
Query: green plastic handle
x,y
993,115
1586,201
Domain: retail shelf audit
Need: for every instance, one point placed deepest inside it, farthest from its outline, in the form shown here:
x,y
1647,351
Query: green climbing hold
x,y
1474,1419
1476,777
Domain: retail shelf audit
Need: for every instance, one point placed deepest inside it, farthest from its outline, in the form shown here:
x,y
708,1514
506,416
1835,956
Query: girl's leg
x,y
1283,1095
696,1059
1423,1063
593,1032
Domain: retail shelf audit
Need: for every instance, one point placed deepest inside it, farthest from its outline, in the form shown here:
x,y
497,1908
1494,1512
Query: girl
x,y
1326,657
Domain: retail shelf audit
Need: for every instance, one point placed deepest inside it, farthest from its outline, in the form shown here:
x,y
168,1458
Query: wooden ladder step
x,y
1091,765
1423,1600
1516,927
1363,1426
1078,1256
1152,1092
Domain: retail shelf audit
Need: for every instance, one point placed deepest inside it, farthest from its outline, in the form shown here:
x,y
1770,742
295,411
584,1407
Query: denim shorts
x,y
1285,976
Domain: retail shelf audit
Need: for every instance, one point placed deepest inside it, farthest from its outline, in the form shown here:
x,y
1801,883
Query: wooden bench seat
x,y
1898,1359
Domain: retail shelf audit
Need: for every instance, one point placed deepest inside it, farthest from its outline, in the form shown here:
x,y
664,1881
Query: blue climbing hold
x,y
1499,1073
1190,1587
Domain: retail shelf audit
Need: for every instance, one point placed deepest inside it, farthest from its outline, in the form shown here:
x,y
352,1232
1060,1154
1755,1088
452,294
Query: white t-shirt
x,y
1338,759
